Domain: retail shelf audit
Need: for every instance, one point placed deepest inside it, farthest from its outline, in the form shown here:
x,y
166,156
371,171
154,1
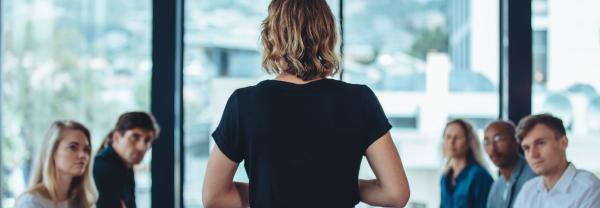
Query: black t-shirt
x,y
115,182
302,143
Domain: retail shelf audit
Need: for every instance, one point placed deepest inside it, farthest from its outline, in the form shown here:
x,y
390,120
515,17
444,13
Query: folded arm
x,y
390,188
219,188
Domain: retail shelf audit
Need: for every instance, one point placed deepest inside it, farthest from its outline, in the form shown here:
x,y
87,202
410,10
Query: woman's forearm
x,y
372,193
235,196
242,192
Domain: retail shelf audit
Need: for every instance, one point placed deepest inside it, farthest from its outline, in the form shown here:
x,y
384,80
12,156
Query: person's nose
x,y
142,146
534,152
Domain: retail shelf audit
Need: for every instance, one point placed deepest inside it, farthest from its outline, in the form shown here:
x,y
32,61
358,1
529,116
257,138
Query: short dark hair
x,y
139,119
132,120
528,123
505,123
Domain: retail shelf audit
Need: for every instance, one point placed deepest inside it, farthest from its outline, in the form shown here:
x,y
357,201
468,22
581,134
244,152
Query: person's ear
x,y
564,142
116,136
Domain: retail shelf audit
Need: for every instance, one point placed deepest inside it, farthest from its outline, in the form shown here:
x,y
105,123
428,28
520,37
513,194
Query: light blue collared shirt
x,y
575,188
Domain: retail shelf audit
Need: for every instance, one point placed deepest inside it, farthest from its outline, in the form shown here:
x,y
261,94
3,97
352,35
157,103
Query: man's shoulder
x,y
105,162
586,180
478,171
587,176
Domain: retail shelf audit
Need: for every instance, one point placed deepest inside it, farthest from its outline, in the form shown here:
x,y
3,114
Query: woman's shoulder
x,y
479,172
31,199
321,83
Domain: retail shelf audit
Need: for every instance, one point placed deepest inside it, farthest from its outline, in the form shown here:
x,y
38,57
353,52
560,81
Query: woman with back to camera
x,y
62,174
466,182
302,135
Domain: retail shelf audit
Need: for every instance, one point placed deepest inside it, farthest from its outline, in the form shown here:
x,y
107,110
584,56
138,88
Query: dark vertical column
x,y
515,59
341,23
167,102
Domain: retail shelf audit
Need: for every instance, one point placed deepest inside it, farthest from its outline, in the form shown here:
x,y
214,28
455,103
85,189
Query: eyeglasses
x,y
495,140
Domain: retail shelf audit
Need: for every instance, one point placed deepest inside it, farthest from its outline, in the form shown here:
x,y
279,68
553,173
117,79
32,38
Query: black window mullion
x,y
167,102
515,59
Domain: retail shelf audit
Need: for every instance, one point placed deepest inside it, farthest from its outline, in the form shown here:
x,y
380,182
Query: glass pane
x,y
222,53
70,59
427,61
565,73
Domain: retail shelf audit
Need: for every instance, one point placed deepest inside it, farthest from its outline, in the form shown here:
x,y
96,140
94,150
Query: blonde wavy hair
x,y
82,191
474,154
299,38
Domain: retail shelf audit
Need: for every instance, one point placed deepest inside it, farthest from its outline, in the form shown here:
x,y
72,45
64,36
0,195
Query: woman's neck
x,y
63,183
457,165
293,79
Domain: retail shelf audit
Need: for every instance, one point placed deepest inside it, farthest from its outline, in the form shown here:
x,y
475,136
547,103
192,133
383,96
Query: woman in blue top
x,y
465,182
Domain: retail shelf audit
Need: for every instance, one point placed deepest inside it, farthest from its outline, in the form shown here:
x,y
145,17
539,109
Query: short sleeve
x,y
377,123
227,136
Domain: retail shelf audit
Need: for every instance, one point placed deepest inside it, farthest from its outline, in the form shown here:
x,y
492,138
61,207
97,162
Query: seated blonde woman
x,y
62,176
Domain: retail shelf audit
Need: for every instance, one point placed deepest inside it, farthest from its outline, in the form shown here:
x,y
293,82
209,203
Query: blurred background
x,y
428,61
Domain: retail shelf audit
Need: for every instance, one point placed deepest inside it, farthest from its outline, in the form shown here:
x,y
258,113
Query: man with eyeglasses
x,y
503,149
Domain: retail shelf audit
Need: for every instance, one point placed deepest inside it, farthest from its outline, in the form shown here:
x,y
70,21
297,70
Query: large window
x,y
428,62
70,59
221,55
566,47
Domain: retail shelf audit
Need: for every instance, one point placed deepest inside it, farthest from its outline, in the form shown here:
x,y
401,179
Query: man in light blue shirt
x,y
501,146
560,184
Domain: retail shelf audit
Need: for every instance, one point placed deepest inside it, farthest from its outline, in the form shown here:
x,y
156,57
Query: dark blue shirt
x,y
470,190
115,182
302,144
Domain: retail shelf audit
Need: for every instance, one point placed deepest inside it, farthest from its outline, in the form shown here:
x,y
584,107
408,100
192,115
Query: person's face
x,y
133,144
455,142
500,145
543,150
72,154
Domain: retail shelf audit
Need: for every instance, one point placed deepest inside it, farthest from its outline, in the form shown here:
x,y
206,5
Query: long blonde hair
x,y
299,38
82,190
474,151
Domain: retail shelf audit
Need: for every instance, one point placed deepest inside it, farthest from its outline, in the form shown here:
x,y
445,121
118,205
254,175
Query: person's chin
x,y
77,173
136,161
497,161
502,163
539,170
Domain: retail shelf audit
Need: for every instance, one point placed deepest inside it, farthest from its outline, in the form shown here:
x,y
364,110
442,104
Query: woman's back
x,y
302,143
